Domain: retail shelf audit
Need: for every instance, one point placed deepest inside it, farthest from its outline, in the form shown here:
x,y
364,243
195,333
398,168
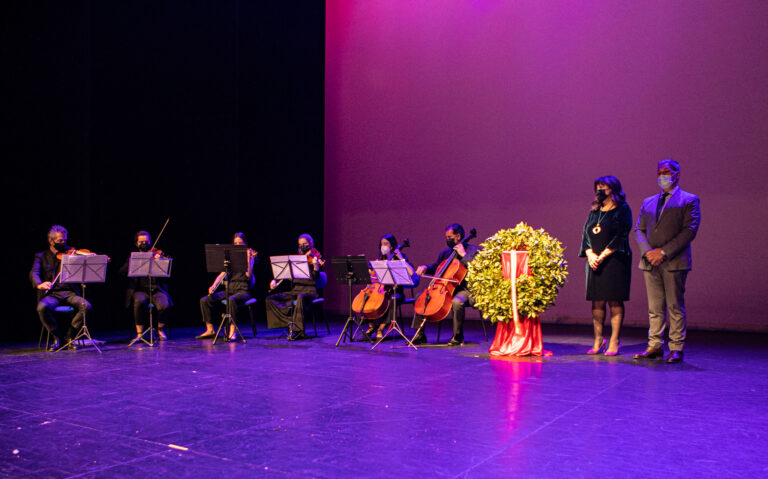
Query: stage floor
x,y
273,408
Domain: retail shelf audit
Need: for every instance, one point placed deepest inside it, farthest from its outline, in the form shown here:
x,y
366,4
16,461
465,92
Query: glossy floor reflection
x,y
272,408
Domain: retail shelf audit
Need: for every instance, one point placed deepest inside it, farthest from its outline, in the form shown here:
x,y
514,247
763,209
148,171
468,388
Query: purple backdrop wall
x,y
489,113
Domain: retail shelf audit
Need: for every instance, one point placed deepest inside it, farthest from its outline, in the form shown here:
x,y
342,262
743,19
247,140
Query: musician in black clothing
x,y
289,308
462,297
51,292
137,295
240,285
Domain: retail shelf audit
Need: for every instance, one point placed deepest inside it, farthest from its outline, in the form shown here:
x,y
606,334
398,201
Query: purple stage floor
x,y
272,408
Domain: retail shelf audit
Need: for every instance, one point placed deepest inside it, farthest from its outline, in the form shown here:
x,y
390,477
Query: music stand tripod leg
x,y
83,332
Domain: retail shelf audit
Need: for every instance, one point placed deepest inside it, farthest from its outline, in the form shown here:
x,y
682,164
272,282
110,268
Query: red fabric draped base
x,y
527,343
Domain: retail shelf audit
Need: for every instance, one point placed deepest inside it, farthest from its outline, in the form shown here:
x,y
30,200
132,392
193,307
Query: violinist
x,y
289,308
51,292
462,297
240,285
138,293
390,250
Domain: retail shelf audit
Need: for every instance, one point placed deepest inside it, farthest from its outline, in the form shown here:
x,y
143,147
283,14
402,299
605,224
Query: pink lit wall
x,y
492,112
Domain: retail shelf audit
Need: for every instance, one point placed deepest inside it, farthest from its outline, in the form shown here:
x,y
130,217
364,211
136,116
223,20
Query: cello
x,y
373,300
434,303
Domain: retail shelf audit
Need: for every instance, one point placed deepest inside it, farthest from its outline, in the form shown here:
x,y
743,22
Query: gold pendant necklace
x,y
597,229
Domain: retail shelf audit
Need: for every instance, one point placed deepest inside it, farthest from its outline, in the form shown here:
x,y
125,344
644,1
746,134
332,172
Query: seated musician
x,y
240,285
390,250
51,292
289,308
138,293
462,297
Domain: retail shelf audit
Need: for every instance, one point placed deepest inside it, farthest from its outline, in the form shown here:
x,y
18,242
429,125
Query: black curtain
x,y
118,115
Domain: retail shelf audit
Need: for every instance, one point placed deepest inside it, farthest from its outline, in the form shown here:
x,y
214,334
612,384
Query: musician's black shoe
x,y
420,339
297,335
205,336
55,344
456,340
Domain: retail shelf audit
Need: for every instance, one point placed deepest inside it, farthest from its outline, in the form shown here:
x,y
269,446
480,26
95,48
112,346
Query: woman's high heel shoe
x,y
614,353
598,350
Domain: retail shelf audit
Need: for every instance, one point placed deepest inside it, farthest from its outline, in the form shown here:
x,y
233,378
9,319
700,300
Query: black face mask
x,y
60,247
601,196
144,247
451,242
304,248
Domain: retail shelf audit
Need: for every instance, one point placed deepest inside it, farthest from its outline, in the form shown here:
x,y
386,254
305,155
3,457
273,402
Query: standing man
x,y
44,276
667,224
462,296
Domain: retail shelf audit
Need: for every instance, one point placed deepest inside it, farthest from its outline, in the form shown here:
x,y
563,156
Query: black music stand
x,y
393,273
350,270
143,264
83,269
290,267
227,259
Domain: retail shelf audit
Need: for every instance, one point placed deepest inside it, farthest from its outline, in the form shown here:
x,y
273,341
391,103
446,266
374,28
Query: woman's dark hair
x,y
617,194
241,236
392,242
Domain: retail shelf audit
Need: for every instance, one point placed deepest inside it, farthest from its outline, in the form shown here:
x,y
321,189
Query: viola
x,y
78,252
434,303
373,300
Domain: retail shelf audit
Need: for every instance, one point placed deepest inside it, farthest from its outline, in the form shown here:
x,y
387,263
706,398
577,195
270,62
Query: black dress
x,y
611,280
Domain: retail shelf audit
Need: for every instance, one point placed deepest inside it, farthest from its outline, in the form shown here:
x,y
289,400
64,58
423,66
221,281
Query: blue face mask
x,y
664,181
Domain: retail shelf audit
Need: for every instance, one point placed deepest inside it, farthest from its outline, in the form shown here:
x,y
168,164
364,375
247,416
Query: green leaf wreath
x,y
535,293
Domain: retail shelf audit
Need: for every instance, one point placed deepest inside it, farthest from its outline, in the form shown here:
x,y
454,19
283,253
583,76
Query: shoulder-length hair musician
x,y
240,285
605,244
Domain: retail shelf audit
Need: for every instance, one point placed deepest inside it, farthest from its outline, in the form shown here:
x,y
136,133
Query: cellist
x,y
390,250
462,297
51,292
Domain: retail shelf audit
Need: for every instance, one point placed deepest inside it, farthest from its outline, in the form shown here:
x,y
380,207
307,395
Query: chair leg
x,y
439,325
314,319
482,321
253,321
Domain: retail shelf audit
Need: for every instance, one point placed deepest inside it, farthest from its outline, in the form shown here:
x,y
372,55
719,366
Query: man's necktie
x,y
660,204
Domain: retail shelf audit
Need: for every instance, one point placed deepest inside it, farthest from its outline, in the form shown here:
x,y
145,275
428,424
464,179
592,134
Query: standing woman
x,y
605,243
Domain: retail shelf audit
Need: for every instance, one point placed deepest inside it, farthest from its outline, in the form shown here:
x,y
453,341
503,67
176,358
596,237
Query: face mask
x,y
304,248
385,250
665,181
451,242
60,247
143,247
601,196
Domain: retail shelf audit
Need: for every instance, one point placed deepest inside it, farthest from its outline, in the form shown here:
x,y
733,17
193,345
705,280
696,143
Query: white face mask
x,y
385,250
664,181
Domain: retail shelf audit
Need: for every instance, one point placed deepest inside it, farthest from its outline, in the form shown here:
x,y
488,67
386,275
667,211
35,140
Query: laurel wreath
x,y
535,293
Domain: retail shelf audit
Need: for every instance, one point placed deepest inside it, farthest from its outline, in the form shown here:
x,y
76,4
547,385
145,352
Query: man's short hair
x,y
456,228
142,233
56,229
669,163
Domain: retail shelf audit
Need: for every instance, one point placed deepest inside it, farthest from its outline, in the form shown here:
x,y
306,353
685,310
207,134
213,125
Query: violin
x,y
434,303
79,252
373,300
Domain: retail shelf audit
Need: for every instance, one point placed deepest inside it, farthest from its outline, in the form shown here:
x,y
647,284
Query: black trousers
x,y
208,303
462,298
140,310
49,302
290,307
